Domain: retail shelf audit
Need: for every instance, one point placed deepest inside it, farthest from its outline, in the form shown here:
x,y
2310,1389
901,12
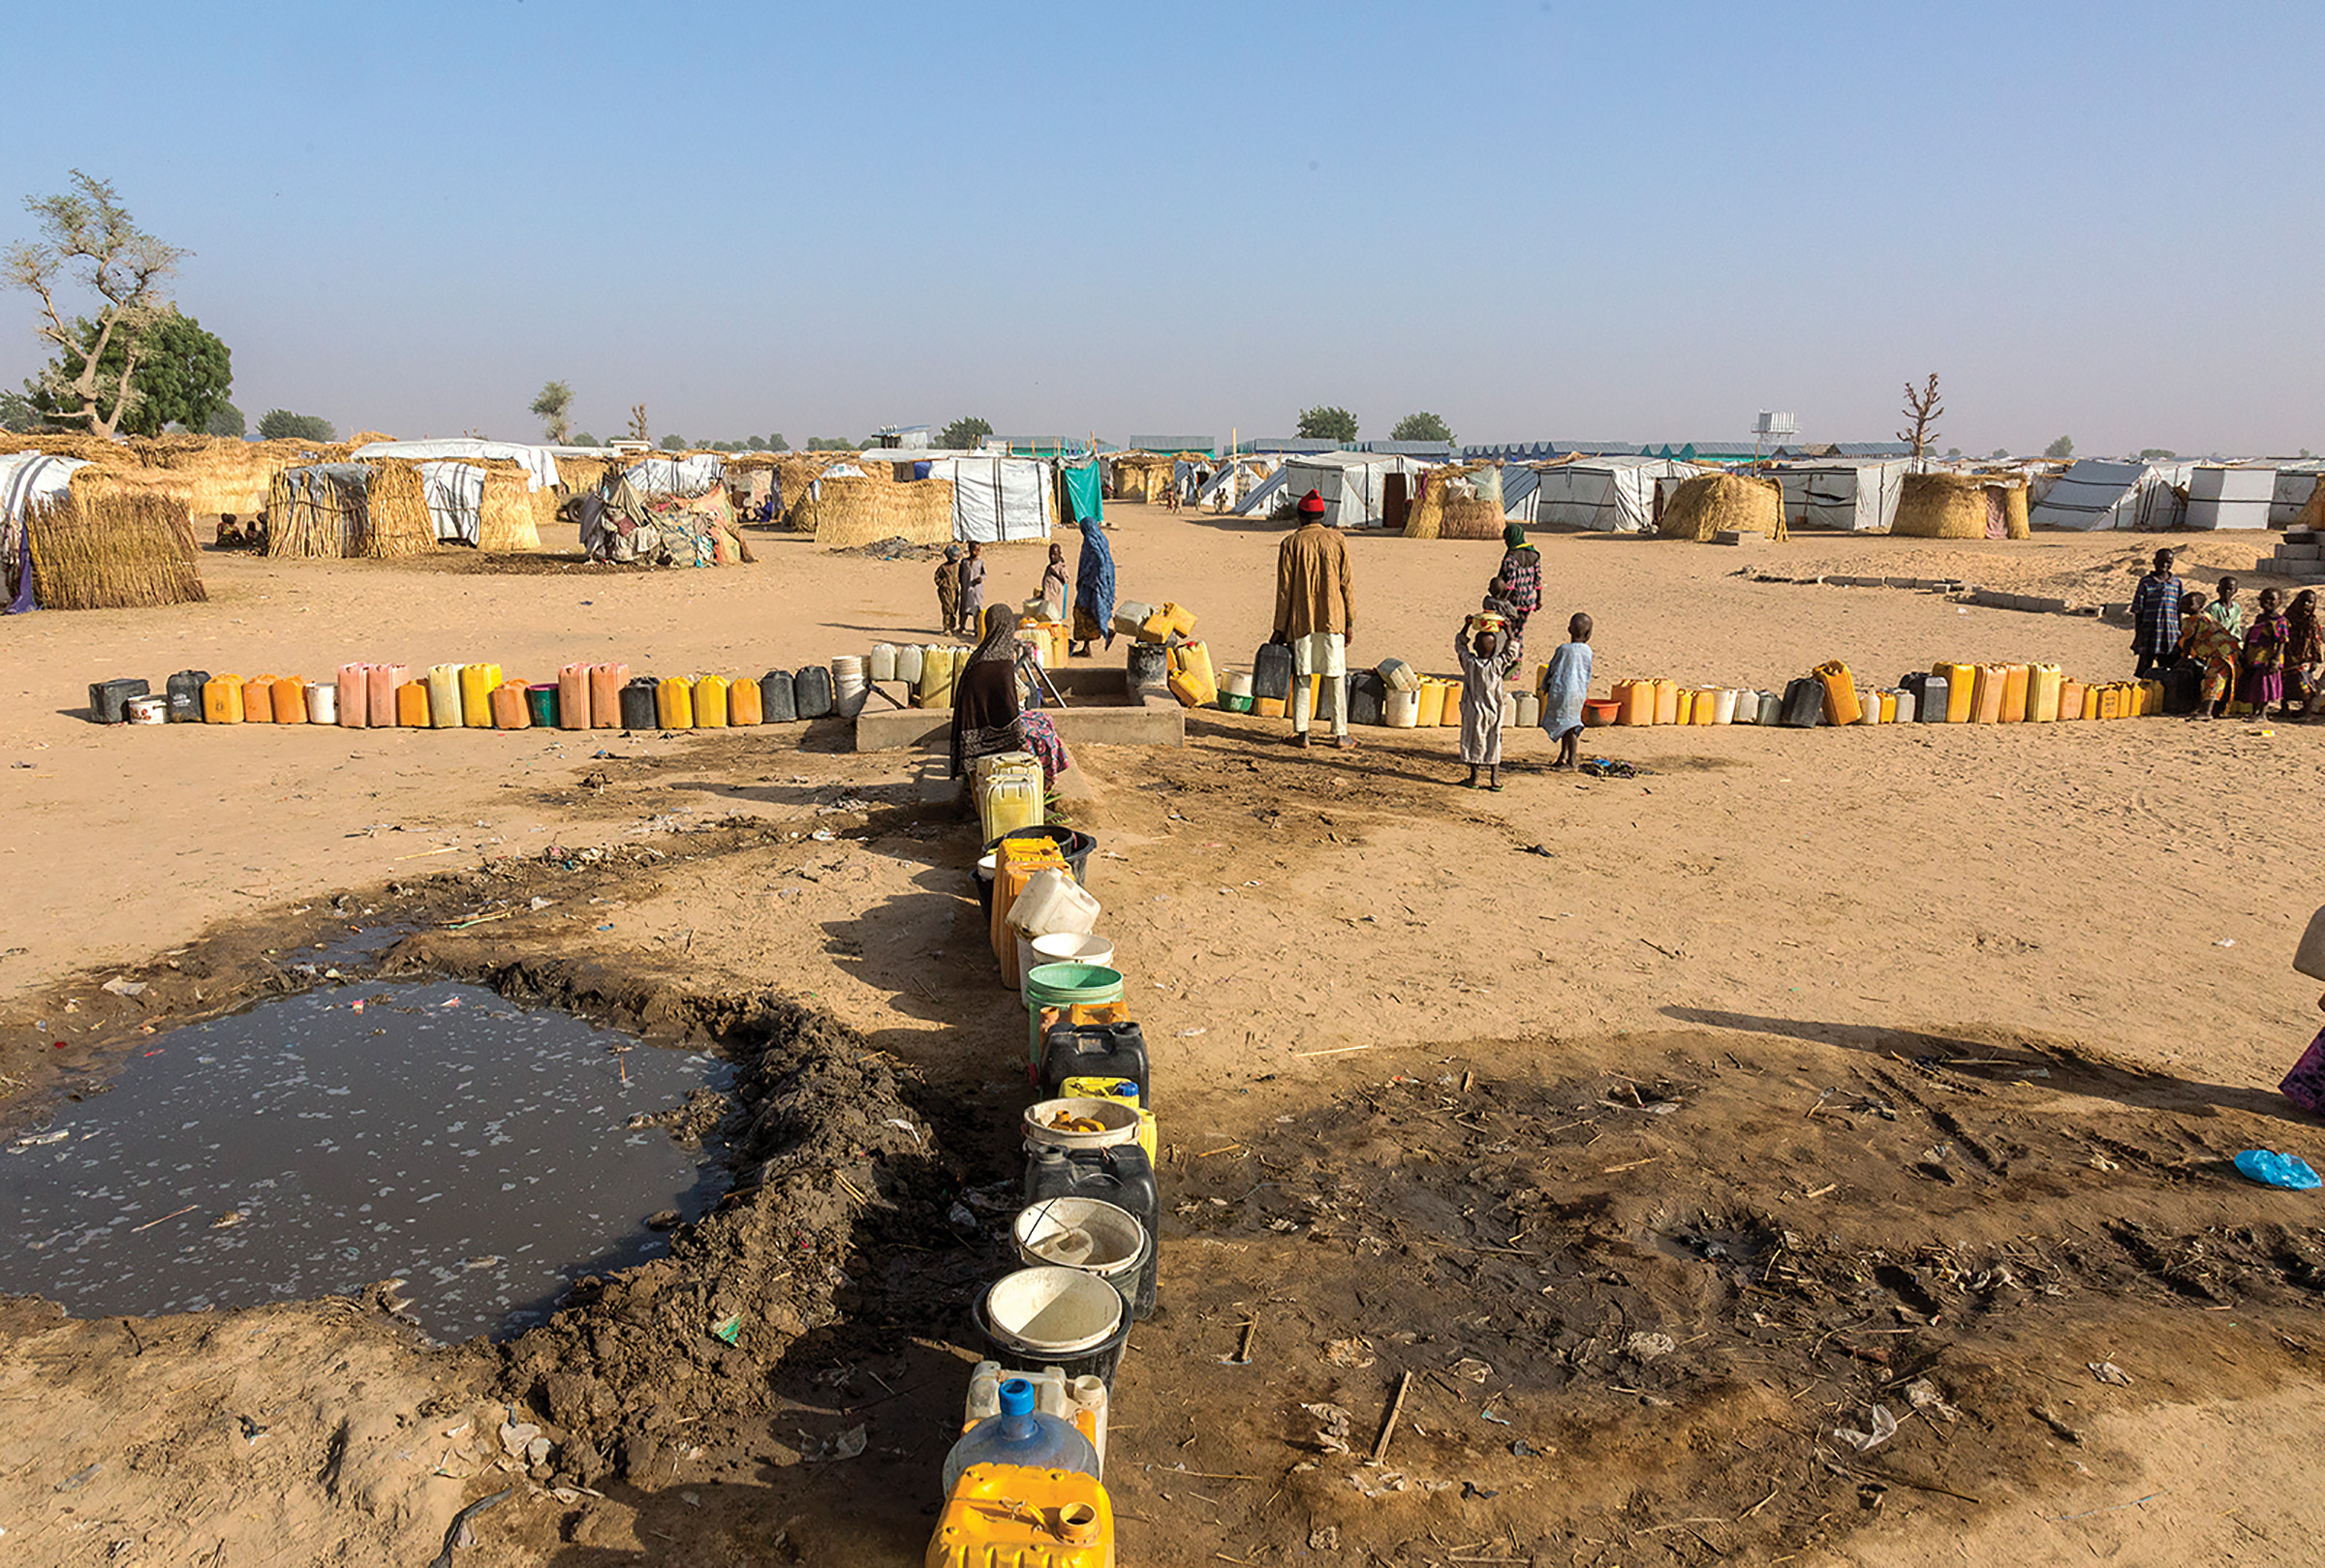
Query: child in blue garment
x,y
1485,665
1565,685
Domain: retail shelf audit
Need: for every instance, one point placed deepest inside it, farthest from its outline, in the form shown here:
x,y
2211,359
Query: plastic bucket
x,y
1062,947
1064,985
1116,1123
1053,1316
1086,1234
541,704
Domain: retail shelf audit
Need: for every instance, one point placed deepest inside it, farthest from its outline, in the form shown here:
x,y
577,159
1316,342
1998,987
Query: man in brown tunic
x,y
1316,613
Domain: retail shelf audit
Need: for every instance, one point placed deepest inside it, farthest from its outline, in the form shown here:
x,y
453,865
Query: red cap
x,y
1311,505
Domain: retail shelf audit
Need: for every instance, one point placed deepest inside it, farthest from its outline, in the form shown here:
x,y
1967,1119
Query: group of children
x,y
1492,644
961,588
2220,655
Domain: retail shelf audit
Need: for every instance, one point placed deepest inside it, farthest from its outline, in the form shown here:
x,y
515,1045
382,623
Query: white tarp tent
x,y
1854,498
2294,482
1606,495
27,479
540,463
455,493
684,477
2220,495
997,499
1234,478
1354,487
2096,494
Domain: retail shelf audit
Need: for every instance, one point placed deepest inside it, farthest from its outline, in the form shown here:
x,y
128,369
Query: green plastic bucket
x,y
541,704
1064,985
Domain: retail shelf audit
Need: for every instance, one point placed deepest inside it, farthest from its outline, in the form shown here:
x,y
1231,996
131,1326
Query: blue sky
x,y
1545,220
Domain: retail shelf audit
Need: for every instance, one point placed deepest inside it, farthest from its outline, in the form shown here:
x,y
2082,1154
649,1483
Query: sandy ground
x,y
2117,903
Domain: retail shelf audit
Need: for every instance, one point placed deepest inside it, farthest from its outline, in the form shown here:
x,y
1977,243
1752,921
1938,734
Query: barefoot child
x,y
1484,667
1563,687
948,588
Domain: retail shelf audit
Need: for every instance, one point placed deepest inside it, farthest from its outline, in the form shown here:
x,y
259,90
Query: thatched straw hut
x,y
231,478
1143,476
509,515
1962,506
1457,503
850,510
580,474
1709,505
117,540
375,511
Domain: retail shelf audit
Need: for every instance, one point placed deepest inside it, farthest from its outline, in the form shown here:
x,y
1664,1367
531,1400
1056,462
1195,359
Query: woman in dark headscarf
x,y
988,714
1093,588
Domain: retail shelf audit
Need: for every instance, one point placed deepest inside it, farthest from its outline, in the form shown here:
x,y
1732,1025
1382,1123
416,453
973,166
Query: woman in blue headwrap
x,y
1093,588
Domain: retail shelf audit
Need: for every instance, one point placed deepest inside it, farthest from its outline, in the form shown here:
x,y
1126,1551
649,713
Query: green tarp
x,y
1079,492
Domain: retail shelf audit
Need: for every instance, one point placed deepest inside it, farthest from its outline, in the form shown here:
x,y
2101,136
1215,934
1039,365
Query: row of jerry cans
x,y
2038,693
1024,1485
476,697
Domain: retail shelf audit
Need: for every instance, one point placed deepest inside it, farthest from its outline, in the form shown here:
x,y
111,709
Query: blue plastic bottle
x,y
1021,1435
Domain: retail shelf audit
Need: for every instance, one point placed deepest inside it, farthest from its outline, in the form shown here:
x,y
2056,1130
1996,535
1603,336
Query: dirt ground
x,y
1659,1129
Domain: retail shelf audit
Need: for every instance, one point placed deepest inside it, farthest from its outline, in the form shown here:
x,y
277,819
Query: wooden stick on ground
x,y
1388,1426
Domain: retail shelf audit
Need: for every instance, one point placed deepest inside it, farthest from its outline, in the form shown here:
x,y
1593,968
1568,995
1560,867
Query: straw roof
x,y
1447,510
395,511
116,540
580,475
510,516
1960,507
848,512
1714,504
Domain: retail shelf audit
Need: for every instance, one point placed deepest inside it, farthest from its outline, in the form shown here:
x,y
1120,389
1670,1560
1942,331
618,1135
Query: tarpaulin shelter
x,y
27,479
1234,478
697,473
997,499
1605,495
2096,494
1854,498
2223,495
1081,491
540,463
1359,489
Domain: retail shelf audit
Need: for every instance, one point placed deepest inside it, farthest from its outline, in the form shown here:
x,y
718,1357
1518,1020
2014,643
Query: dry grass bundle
x,y
229,478
850,512
395,511
1143,476
509,517
115,541
1447,509
316,512
580,474
68,443
797,474
1714,504
1960,507
2313,511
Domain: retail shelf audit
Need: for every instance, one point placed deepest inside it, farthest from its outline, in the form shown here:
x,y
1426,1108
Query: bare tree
x,y
1922,409
553,405
88,237
637,422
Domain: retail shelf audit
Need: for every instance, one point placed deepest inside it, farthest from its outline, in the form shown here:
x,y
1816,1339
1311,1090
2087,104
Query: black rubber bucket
x,y
1100,1360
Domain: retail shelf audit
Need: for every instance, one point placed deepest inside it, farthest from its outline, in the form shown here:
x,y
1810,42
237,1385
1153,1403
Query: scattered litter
x,y
1333,1426
961,1218
1323,1538
228,1220
34,1139
1185,1033
1470,1488
1382,1484
124,988
2225,942
1648,1346
1498,1421
728,1329
516,1436
1923,1395
1520,1448
2271,1169
846,1445
1884,1428
1470,1369
78,1478
2107,1371
1352,1353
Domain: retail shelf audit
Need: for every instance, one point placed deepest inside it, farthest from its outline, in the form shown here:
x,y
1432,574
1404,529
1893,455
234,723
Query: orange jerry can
x,y
290,694
572,697
2071,698
355,696
257,699
412,705
744,705
1986,696
508,704
221,700
1666,701
2014,694
379,682
1637,698
1840,705
606,682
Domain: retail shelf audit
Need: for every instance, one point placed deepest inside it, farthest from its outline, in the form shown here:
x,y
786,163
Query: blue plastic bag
x,y
2271,1169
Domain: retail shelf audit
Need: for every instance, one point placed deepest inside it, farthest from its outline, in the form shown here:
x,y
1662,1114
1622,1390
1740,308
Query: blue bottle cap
x,y
1016,1396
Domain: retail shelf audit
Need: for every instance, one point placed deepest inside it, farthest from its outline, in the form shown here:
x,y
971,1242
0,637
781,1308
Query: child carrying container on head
x,y
1566,683
1485,663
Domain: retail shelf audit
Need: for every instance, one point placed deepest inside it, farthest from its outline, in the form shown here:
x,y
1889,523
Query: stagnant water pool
x,y
427,1131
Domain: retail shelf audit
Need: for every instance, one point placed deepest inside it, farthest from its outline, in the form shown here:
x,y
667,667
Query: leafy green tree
x,y
673,442
1997,454
281,424
2151,454
181,377
87,236
1417,427
1326,423
963,434
585,439
552,405
776,443
2062,447
832,444
17,413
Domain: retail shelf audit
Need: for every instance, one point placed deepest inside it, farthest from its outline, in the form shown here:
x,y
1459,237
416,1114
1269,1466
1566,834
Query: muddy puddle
x,y
434,1133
